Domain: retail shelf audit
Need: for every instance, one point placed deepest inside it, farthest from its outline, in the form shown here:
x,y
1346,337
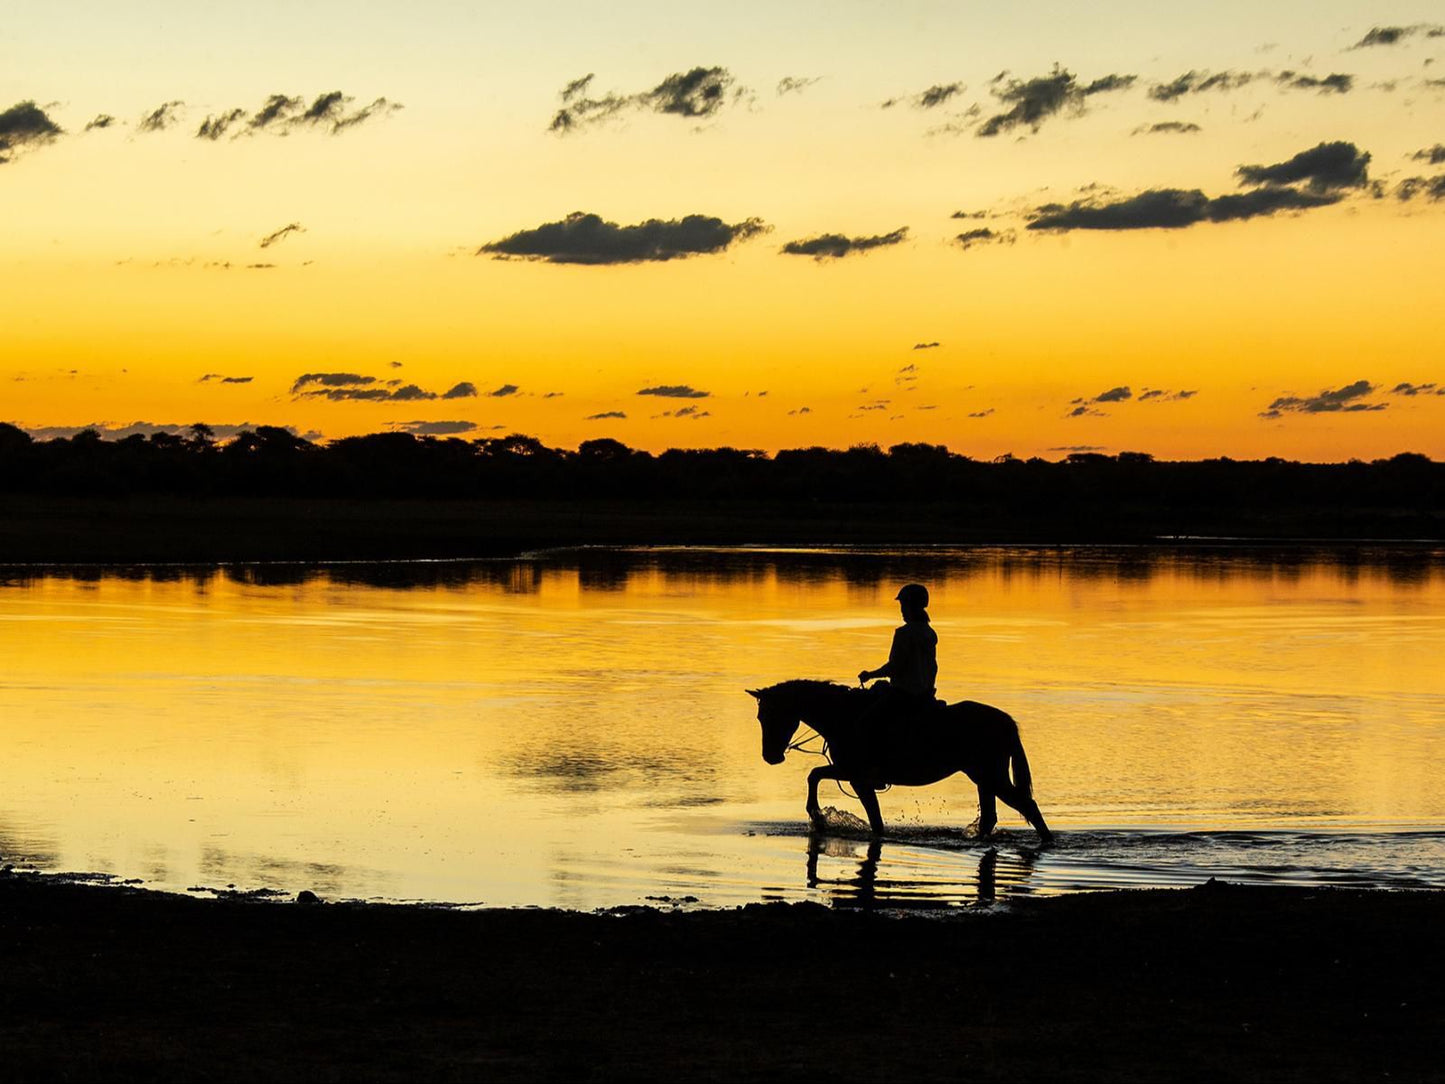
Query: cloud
x,y
931,98
162,117
283,113
225,379
1160,395
1324,167
504,391
278,109
1084,407
281,234
436,429
1345,400
969,214
927,346
349,387
1032,101
1338,83
101,120
1077,448
1266,201
147,429
790,85
1174,208
1197,82
215,126
984,236
330,110
1176,126
464,390
330,380
975,413
1417,389
1432,188
410,392
604,416
1393,35
674,391
260,266
833,246
693,413
583,238
801,410
700,92
1434,155
25,126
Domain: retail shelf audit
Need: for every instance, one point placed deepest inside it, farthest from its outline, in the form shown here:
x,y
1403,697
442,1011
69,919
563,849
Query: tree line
x,y
273,462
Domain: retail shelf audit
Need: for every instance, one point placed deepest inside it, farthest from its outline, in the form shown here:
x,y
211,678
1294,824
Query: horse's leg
x,y
1025,805
869,797
826,771
987,811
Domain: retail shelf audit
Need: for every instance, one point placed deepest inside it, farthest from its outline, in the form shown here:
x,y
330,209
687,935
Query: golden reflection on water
x,y
571,729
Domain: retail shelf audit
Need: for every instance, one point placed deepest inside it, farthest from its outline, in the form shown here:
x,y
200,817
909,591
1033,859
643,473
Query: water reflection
x,y
915,876
610,570
570,728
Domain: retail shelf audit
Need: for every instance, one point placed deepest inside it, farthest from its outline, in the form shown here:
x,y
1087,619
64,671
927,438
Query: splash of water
x,y
842,822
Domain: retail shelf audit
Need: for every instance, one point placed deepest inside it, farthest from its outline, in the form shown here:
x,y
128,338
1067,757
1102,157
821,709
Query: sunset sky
x,y
1213,230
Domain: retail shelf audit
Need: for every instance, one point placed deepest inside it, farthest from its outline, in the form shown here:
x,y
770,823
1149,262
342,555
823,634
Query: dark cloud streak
x,y
583,238
834,246
694,94
25,126
1032,101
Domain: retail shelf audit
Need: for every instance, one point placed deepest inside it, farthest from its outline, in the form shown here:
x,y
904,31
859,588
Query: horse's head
x,y
780,723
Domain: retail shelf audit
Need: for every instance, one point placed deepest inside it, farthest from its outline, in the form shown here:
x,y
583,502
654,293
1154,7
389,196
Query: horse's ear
x,y
756,694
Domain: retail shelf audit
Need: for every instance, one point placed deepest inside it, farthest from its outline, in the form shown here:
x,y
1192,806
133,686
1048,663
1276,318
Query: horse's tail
x,y
1023,778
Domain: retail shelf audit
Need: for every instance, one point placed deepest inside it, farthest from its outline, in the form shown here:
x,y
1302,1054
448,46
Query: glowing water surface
x,y
570,729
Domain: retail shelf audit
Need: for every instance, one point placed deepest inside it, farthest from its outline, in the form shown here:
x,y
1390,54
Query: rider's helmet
x,y
913,594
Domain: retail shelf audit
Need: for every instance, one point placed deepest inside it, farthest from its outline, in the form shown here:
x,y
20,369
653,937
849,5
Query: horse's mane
x,y
813,687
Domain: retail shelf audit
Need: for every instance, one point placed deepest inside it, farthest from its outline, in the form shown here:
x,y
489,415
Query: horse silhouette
x,y
921,748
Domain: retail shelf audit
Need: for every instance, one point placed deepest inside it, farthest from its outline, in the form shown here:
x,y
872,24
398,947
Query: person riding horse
x,y
865,744
912,666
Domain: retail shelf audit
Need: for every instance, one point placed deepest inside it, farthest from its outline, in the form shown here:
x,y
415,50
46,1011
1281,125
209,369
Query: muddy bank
x,y
1217,981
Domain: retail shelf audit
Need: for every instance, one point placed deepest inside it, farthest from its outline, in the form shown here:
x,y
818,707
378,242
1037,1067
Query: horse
x,y
927,746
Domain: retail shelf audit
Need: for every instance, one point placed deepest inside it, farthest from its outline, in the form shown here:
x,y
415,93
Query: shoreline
x,y
112,982
171,530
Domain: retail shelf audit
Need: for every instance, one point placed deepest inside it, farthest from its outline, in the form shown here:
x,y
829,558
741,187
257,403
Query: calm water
x,y
571,729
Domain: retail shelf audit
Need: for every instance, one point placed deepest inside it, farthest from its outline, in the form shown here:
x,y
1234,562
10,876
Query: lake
x,y
570,729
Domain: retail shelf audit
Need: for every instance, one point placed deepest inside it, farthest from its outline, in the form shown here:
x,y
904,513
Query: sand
x,y
1214,982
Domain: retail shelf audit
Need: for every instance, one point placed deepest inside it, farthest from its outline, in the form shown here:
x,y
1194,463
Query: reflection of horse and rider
x,y
896,732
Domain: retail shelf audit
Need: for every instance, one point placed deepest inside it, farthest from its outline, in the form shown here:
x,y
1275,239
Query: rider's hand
x,y
863,676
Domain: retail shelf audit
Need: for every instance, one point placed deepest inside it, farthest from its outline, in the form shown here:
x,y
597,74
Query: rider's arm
x,y
894,654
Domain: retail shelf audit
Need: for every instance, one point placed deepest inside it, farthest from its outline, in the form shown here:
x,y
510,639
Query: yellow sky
x,y
124,278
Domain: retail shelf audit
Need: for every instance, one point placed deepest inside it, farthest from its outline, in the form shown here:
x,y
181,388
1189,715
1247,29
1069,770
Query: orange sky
x,y
127,270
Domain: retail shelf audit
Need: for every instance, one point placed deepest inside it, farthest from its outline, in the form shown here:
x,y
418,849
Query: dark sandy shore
x,y
1216,982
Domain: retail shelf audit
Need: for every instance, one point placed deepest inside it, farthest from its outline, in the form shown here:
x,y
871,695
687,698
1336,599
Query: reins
x,y
801,745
